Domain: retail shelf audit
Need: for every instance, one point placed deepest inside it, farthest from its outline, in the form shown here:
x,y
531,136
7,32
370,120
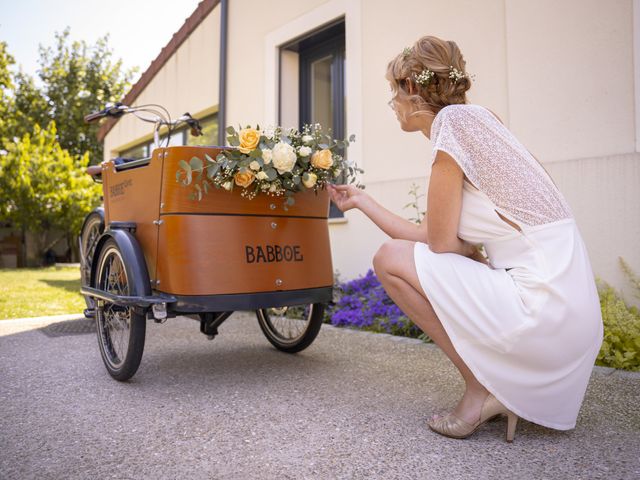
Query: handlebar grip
x,y
94,116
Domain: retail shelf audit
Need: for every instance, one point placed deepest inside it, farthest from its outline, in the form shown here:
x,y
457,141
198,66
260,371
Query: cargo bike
x,y
152,253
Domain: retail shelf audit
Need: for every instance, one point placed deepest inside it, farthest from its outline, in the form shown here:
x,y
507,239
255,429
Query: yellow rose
x,y
249,139
311,180
322,159
244,179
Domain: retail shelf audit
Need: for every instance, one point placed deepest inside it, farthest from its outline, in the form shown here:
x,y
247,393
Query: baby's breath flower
x,y
424,77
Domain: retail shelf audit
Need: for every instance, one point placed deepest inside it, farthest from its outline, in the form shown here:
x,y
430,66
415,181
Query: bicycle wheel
x,y
121,330
291,328
89,236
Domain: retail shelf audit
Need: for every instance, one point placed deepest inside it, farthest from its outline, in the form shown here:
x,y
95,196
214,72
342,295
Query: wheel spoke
x,y
288,323
115,320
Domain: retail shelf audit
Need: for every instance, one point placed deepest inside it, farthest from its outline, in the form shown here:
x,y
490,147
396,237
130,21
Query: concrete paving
x,y
352,405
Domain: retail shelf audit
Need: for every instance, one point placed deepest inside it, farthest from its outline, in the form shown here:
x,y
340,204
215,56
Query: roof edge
x,y
204,8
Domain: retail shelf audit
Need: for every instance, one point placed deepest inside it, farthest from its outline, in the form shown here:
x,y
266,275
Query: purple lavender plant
x,y
363,303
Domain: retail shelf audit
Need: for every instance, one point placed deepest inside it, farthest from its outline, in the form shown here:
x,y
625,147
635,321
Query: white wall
x,y
188,82
561,75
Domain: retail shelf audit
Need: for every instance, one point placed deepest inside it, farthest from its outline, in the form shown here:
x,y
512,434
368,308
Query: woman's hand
x,y
345,197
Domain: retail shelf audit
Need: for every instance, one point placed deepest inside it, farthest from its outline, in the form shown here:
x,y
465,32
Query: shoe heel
x,y
512,421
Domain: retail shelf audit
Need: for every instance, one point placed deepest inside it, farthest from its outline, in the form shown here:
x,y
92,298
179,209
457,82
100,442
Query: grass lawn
x,y
35,292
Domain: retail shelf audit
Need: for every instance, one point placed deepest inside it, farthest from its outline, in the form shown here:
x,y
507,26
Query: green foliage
x,y
621,343
30,107
43,186
6,85
42,181
413,191
76,79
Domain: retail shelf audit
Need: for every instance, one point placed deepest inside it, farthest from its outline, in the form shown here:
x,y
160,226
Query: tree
x,y
44,188
6,85
29,106
77,79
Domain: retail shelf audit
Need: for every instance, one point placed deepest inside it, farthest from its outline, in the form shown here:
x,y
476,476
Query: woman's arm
x,y
347,197
441,192
445,203
393,225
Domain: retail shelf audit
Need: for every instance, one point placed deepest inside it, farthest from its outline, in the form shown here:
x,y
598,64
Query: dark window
x,y
179,137
321,83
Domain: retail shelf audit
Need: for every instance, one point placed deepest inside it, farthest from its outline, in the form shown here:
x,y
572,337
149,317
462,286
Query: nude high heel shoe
x,y
454,427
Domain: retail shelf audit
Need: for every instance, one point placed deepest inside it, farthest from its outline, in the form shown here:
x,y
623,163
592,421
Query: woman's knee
x,y
386,255
383,256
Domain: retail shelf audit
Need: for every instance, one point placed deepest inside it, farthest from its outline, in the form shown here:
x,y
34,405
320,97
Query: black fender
x,y
134,262
99,211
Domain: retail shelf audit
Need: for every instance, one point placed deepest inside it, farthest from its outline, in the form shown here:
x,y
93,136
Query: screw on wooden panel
x,y
278,282
158,222
272,206
162,205
274,224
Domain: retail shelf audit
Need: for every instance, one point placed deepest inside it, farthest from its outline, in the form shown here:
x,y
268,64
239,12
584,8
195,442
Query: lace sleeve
x,y
496,163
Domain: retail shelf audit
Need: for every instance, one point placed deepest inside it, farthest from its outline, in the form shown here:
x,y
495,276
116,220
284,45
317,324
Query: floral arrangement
x,y
273,161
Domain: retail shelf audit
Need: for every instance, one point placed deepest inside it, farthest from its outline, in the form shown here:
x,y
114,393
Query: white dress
x,y
529,326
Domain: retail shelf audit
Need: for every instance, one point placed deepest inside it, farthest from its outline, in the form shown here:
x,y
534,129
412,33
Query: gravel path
x,y
352,405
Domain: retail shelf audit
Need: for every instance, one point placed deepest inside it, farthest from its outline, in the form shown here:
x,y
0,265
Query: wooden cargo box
x,y
225,243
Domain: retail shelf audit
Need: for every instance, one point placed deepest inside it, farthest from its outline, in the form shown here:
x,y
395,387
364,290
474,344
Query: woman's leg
x,y
395,267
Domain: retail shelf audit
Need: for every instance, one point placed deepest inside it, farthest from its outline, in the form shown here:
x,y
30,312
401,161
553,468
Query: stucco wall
x,y
559,74
188,82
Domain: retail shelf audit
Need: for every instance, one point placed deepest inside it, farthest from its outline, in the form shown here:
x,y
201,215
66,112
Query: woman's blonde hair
x,y
439,56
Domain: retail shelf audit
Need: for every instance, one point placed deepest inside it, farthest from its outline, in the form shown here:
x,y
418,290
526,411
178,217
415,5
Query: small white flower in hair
x,y
457,74
424,77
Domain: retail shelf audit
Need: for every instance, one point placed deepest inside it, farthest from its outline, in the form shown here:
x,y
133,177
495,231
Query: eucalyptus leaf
x,y
272,174
212,170
187,171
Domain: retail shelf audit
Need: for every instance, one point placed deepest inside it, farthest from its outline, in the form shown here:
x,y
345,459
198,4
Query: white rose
x,y
307,139
254,165
284,157
269,131
267,155
227,185
304,151
311,180
262,176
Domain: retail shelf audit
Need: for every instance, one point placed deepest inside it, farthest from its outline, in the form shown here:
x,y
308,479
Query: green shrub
x,y
621,343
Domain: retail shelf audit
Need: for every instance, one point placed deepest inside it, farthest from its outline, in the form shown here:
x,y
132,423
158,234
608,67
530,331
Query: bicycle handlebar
x,y
93,116
111,110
